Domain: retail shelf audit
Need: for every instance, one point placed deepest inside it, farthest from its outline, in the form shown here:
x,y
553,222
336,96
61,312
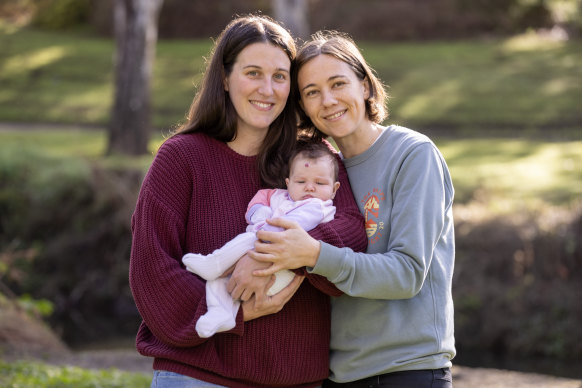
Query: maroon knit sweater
x,y
193,199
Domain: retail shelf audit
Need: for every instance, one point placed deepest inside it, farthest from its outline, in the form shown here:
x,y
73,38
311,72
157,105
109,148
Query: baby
x,y
311,187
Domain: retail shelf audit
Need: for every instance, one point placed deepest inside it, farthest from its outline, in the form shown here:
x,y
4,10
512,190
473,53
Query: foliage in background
x,y
60,14
39,375
379,20
64,229
517,281
65,236
527,82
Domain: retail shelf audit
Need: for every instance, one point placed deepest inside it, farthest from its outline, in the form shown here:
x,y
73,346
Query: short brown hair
x,y
342,47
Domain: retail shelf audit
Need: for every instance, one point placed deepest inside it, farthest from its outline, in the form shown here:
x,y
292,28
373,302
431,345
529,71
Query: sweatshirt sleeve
x,y
422,201
345,230
169,298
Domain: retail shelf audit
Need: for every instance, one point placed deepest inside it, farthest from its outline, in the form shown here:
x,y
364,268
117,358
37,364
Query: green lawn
x,y
474,89
512,172
497,84
39,375
504,171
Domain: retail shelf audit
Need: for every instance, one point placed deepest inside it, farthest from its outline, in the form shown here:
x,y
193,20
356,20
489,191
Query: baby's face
x,y
311,178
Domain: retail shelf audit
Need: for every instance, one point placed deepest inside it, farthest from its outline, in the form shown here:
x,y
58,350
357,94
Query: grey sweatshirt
x,y
397,311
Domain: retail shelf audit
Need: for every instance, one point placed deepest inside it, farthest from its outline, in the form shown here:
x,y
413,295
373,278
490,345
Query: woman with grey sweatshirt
x,y
394,324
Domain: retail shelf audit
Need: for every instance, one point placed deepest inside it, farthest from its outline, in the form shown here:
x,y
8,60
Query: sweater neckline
x,y
229,151
371,150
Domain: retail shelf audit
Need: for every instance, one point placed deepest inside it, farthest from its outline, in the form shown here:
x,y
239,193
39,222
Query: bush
x,y
517,281
61,14
65,235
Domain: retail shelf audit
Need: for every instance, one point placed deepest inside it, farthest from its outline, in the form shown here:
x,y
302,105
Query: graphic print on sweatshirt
x,y
374,227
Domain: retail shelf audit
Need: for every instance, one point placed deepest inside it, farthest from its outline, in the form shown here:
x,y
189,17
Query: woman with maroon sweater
x,y
240,132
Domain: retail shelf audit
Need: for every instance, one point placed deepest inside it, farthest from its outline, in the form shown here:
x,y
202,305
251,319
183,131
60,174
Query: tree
x,y
136,32
293,14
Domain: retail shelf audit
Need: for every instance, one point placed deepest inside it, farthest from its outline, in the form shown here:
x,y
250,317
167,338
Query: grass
x,y
513,172
505,171
68,142
523,82
39,375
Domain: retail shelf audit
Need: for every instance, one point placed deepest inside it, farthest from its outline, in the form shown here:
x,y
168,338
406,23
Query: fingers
x,y
246,294
275,303
283,223
262,257
228,272
259,306
234,289
283,296
267,272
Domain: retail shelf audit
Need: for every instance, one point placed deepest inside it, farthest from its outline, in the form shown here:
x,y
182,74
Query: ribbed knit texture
x,y
194,199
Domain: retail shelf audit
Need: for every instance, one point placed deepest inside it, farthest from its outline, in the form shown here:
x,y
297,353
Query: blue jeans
x,y
438,378
165,379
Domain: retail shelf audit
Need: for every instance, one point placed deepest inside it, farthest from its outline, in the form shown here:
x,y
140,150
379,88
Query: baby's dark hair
x,y
314,149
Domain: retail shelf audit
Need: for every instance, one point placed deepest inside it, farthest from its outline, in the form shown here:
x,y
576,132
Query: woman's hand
x,y
290,249
242,284
260,305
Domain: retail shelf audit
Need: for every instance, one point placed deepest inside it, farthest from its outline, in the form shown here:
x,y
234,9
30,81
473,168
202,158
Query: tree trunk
x,y
293,14
136,32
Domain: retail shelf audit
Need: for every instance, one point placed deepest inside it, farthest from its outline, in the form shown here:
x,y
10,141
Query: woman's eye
x,y
338,84
253,73
280,77
310,93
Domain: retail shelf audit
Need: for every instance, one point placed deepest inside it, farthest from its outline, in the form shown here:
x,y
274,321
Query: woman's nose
x,y
328,98
266,88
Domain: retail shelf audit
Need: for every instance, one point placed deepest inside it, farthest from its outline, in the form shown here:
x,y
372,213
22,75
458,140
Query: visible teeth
x,y
335,115
261,104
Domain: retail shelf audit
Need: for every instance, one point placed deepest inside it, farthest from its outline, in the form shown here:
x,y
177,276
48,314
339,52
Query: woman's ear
x,y
366,85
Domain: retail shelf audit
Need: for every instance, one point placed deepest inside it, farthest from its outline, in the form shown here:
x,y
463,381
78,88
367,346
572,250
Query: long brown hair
x,y
342,47
212,111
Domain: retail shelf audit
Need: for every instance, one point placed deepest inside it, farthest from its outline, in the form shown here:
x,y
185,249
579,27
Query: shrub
x,y
61,14
65,233
517,281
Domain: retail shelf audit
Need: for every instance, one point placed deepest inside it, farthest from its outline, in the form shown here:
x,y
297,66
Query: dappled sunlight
x,y
437,100
534,41
85,106
22,64
557,86
515,171
56,142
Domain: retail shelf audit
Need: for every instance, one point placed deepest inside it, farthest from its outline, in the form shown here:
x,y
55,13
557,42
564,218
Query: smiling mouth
x,y
336,115
262,105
